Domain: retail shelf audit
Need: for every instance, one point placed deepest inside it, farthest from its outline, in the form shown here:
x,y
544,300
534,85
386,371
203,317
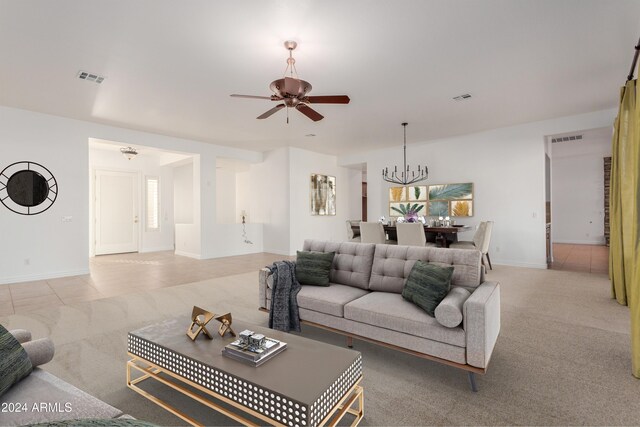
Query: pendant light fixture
x,y
129,152
405,176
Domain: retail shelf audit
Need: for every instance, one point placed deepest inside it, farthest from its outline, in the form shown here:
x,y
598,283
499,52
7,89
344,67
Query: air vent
x,y
566,138
462,97
90,77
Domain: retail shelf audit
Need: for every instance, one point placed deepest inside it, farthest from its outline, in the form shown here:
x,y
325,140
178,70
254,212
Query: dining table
x,y
440,235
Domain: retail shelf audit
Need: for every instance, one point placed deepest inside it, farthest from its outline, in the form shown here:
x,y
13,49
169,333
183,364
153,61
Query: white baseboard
x,y
157,249
581,242
276,251
188,254
511,263
43,276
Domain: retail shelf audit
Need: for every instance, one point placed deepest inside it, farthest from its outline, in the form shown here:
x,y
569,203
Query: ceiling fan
x,y
293,92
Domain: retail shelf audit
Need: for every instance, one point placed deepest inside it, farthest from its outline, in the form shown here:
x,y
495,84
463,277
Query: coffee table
x,y
309,384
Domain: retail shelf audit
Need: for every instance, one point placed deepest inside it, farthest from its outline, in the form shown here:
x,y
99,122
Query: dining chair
x,y
485,243
353,236
412,234
372,232
480,241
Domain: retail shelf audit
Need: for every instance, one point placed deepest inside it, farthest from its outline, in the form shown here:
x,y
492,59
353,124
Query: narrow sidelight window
x,y
152,185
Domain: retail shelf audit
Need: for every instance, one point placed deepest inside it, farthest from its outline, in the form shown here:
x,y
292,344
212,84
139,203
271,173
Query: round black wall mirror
x,y
27,188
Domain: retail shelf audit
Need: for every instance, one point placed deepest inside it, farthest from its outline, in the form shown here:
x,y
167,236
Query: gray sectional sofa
x,y
364,301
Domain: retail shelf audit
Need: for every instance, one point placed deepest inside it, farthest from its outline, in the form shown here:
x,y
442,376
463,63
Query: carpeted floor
x,y
563,356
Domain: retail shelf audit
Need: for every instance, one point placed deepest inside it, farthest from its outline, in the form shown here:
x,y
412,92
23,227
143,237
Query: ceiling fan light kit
x,y
293,92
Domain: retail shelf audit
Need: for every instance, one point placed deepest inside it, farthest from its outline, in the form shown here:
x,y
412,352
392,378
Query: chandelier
x,y
129,152
405,177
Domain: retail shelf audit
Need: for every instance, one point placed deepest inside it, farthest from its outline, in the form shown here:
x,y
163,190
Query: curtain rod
x,y
635,61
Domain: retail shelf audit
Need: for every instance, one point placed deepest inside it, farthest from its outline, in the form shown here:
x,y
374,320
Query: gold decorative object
x,y
225,326
199,320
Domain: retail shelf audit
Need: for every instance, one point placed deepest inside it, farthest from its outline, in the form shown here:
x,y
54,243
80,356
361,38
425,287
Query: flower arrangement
x,y
409,211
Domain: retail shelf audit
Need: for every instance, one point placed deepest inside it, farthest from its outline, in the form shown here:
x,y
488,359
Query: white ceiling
x,y
162,157
170,66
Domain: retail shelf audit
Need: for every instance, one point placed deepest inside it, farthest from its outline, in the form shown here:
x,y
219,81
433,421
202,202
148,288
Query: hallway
x,y
585,258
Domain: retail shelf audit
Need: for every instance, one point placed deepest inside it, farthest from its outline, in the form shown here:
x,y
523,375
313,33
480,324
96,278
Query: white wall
x,y
303,225
577,207
270,204
225,196
42,246
244,195
507,168
183,193
147,165
56,249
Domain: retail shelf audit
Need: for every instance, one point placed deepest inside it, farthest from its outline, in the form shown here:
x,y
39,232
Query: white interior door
x,y
116,212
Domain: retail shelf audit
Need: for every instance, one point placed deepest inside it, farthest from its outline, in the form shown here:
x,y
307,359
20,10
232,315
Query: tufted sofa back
x,y
386,267
392,265
352,263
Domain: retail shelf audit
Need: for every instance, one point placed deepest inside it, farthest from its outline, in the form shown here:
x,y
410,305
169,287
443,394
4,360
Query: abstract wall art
x,y
322,194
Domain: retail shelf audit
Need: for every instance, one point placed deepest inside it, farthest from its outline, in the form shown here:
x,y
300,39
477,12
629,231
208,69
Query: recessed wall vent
x,y
90,77
566,138
462,97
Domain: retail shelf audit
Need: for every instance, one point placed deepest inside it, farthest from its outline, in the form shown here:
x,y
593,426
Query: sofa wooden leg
x,y
349,342
472,381
489,260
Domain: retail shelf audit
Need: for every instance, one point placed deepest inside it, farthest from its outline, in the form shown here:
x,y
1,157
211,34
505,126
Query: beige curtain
x,y
624,251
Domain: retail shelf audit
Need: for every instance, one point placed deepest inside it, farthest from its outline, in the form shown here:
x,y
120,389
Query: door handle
x,y
135,220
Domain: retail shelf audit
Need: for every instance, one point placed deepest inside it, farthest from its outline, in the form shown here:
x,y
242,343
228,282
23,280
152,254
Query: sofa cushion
x,y
390,311
313,268
66,401
449,311
14,361
427,285
351,264
329,300
392,265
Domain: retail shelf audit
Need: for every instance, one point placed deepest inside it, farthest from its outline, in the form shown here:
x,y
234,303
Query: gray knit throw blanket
x,y
284,314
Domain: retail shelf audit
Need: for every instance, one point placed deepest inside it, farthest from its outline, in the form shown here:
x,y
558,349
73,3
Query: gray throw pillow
x,y
14,361
313,268
427,285
449,311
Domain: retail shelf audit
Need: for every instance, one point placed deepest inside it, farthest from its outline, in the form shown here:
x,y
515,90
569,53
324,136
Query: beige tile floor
x,y
113,275
586,258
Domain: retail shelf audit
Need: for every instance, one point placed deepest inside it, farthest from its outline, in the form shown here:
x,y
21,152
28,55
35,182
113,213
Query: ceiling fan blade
x,y
291,86
250,96
309,112
270,112
329,99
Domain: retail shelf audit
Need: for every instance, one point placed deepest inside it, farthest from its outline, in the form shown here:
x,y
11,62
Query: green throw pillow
x,y
312,268
427,285
14,361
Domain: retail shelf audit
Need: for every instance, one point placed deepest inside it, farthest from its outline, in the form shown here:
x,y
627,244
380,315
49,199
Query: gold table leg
x,y
149,371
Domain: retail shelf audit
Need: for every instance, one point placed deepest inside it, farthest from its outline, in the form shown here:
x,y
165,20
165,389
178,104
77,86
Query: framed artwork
x,y
417,193
452,200
438,208
451,191
397,194
322,194
403,209
461,207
